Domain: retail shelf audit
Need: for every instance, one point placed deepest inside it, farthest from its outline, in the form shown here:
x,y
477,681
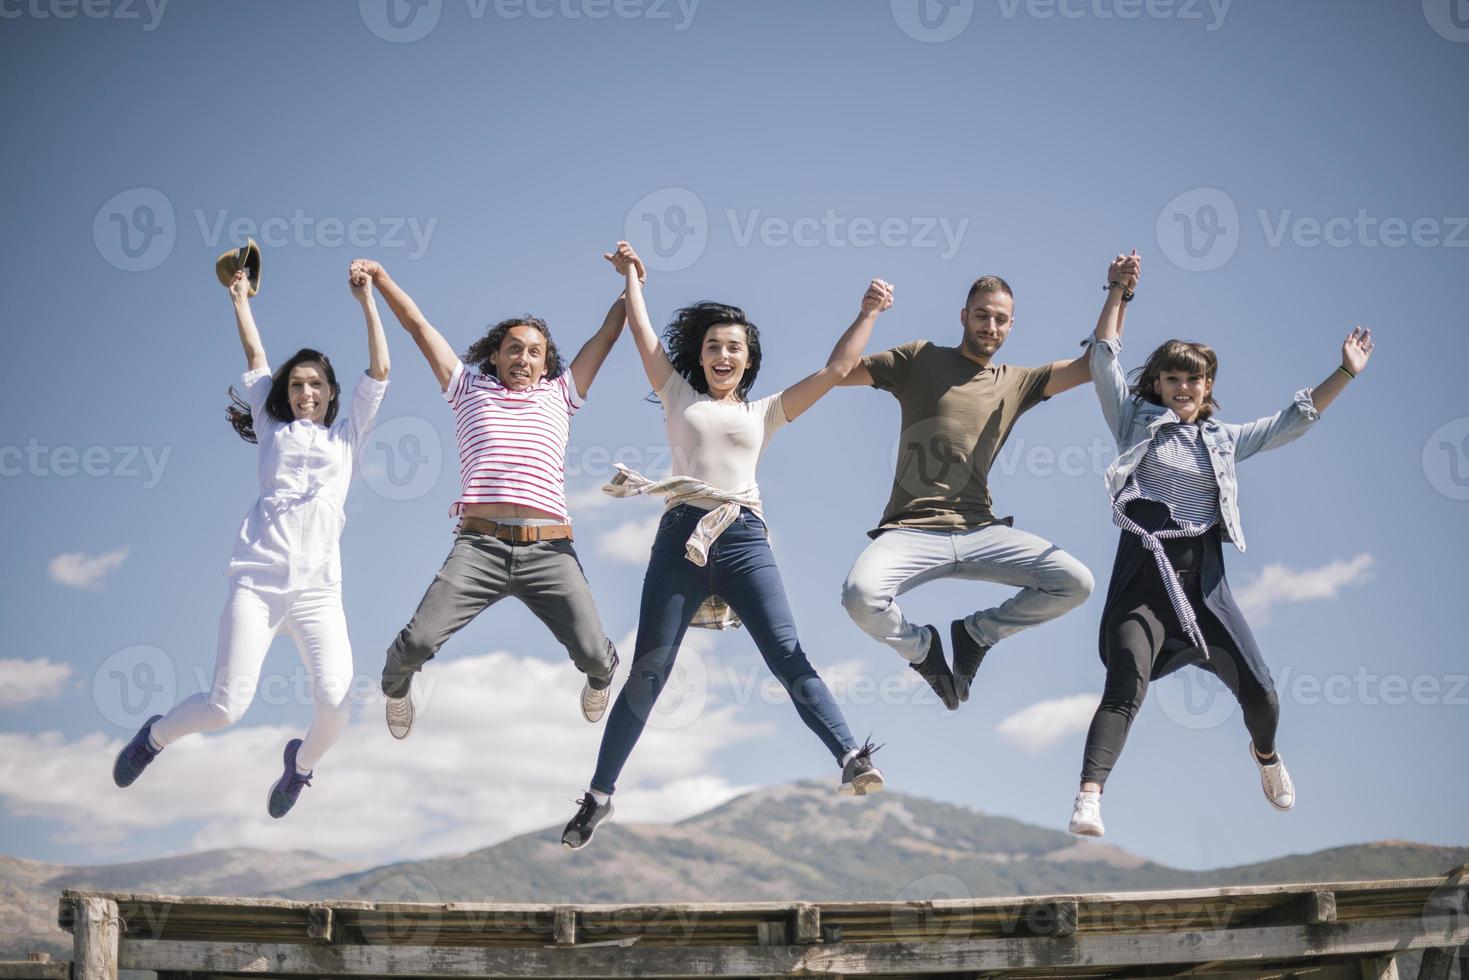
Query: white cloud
x,y
584,498
1045,723
1277,584
79,571
24,681
500,748
630,542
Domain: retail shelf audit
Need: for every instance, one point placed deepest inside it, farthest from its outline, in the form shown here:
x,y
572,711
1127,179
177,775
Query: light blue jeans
x,y
1051,581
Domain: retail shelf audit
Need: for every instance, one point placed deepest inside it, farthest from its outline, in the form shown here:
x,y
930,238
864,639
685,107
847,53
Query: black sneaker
x,y
935,669
135,755
578,833
287,789
967,657
859,775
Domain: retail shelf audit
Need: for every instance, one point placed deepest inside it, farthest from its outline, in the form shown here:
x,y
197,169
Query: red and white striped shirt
x,y
512,444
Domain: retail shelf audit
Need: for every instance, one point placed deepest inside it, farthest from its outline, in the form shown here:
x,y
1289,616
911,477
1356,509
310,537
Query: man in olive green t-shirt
x,y
958,409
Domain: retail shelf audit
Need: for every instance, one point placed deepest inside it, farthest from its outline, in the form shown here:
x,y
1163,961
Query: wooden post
x,y
94,939
808,923
1437,962
1379,968
319,923
564,926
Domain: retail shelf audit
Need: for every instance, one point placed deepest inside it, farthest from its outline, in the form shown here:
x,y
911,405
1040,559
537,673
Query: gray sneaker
x,y
579,831
400,715
594,698
859,775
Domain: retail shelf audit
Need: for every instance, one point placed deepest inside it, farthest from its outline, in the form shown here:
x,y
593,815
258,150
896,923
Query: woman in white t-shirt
x,y
711,541
285,571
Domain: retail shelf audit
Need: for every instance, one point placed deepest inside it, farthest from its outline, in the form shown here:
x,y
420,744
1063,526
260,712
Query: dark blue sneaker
x,y
135,755
284,793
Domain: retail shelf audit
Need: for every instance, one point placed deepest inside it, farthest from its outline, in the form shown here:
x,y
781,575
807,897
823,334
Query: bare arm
x,y
1355,351
656,364
378,362
1125,271
589,359
436,350
845,356
859,375
245,323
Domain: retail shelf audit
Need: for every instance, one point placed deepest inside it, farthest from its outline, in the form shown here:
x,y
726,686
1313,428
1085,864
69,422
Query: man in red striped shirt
x,y
513,400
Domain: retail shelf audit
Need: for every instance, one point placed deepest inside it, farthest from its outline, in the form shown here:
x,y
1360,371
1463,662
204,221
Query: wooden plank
x,y
807,926
564,927
1379,968
947,956
1436,964
319,923
35,969
94,939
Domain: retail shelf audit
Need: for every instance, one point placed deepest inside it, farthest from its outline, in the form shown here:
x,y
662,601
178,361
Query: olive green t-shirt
x,y
956,416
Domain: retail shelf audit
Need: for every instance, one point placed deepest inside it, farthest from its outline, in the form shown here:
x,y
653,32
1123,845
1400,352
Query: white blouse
x,y
719,443
289,539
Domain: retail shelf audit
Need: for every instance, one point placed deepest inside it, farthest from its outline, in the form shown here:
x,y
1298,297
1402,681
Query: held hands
x,y
366,268
1356,350
359,281
879,296
1126,269
625,258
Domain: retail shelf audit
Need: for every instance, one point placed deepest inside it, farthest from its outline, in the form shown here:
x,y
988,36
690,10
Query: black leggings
x,y
1141,620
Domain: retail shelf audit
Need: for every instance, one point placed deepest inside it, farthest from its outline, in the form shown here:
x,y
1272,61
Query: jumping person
x,y
285,572
958,407
513,400
712,538
1174,495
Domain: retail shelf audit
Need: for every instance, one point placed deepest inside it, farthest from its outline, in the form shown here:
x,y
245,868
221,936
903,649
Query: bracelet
x,y
1127,294
1349,374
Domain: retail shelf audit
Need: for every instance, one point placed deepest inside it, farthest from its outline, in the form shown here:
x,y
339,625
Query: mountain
x,y
785,843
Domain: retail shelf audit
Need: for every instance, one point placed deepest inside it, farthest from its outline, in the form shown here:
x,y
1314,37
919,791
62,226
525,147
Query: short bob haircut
x,y
1183,357
479,352
684,341
278,402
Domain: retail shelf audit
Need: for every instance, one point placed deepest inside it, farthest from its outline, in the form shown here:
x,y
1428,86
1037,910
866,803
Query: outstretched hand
x,y
1356,349
623,258
879,297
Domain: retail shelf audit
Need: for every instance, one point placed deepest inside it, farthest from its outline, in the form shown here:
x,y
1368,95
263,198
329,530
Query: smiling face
x,y
520,363
724,355
309,391
987,320
1186,392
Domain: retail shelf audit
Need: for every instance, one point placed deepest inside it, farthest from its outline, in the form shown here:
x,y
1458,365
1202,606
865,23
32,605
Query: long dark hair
x,y
479,352
278,402
684,341
1182,356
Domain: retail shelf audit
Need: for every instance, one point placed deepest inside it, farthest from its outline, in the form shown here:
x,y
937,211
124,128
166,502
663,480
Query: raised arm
x,y
1291,422
1106,341
245,323
656,364
436,350
845,356
588,360
378,362
1356,350
1122,276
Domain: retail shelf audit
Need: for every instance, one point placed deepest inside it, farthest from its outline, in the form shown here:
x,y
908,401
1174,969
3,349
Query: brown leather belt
x,y
517,533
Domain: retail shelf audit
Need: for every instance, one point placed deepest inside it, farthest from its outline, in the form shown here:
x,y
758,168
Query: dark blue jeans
x,y
742,571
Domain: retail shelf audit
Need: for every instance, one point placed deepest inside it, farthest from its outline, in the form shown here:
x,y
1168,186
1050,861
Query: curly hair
x,y
1182,356
684,341
479,352
278,402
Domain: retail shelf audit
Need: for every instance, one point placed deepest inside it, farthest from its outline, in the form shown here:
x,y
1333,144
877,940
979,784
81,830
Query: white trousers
x,y
250,621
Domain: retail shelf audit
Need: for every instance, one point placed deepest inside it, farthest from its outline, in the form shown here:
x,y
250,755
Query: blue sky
x,y
1286,171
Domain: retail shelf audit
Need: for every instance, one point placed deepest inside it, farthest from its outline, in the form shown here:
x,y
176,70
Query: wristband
x,y
1349,374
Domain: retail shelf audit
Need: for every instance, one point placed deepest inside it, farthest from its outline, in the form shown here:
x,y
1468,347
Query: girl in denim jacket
x,y
1175,497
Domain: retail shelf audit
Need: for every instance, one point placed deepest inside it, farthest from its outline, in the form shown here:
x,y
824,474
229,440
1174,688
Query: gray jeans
x,y
480,571
1051,581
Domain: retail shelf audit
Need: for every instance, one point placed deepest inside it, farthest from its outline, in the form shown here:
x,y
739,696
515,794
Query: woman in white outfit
x,y
285,572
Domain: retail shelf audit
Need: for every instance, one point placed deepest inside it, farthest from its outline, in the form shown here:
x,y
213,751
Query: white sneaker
x,y
400,715
1086,815
1276,782
594,702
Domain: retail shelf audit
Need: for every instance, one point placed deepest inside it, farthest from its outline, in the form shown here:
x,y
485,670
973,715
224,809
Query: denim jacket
x,y
1134,422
